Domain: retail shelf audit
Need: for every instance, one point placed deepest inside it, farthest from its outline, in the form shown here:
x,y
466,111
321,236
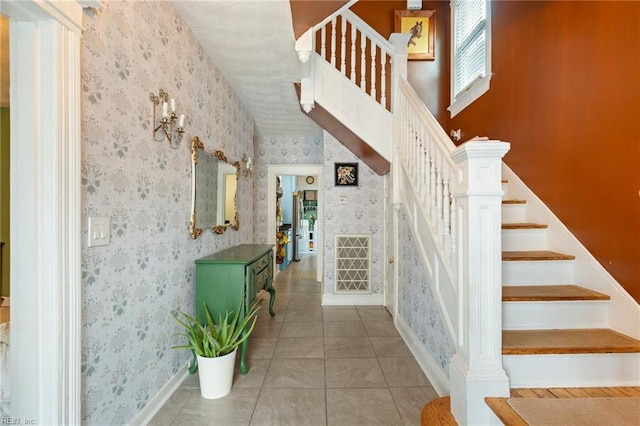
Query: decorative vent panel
x,y
353,261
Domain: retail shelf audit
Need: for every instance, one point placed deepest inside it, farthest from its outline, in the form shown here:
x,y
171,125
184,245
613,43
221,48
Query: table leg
x,y
244,368
272,299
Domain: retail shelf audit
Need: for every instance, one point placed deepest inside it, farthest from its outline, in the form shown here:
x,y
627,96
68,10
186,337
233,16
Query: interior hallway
x,y
313,365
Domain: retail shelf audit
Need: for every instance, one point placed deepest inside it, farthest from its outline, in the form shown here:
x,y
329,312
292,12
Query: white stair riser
x,y
524,239
554,315
537,272
513,213
505,189
573,370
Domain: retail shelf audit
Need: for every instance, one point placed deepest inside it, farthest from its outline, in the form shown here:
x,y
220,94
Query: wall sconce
x,y
170,126
247,164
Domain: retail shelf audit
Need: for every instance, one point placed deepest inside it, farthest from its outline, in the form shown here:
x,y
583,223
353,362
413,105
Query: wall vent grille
x,y
353,263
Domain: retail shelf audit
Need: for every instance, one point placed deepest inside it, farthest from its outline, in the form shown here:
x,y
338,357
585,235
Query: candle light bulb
x,y
165,110
173,105
181,121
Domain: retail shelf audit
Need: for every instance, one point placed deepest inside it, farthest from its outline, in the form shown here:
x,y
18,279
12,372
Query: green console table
x,y
238,273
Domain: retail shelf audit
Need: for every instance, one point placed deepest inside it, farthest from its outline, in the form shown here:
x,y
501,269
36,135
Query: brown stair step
x,y
535,255
514,201
524,225
538,293
567,341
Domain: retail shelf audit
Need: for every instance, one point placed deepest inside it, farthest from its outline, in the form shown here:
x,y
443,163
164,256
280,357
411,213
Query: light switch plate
x,y
99,231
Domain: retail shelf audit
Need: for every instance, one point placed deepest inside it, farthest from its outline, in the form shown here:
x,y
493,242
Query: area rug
x,y
578,411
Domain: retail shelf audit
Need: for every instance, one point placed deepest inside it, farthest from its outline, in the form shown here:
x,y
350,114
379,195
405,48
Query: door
x,y
390,248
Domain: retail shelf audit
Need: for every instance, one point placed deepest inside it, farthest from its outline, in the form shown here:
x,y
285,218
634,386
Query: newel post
x,y
476,369
398,71
305,47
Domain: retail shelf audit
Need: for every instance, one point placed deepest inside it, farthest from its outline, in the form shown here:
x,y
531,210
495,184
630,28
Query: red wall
x,y
428,78
565,92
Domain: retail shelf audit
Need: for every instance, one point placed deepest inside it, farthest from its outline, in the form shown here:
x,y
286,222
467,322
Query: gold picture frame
x,y
421,24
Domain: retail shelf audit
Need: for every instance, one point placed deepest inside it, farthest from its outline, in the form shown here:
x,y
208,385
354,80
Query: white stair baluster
x,y
383,78
363,61
323,42
333,42
374,49
353,52
432,185
343,45
446,210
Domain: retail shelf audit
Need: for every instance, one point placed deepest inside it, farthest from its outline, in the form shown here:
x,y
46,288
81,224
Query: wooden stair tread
x,y
533,293
524,225
514,201
534,255
567,341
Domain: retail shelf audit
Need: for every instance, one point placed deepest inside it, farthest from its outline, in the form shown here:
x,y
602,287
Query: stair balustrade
x,y
452,195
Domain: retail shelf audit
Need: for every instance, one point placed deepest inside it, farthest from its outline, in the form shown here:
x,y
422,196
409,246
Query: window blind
x,y
470,43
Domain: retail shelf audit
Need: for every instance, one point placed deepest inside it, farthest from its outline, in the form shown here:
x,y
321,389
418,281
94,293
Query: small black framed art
x,y
346,174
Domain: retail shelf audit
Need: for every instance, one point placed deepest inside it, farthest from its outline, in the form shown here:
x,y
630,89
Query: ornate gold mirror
x,y
214,181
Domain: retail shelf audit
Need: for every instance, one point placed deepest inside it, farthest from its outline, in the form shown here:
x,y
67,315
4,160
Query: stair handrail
x,y
457,190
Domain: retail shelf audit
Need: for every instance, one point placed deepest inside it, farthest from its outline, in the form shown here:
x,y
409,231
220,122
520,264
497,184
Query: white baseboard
x,y
432,370
154,405
351,299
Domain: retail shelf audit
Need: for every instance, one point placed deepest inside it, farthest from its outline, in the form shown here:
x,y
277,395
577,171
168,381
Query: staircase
x,y
556,333
525,303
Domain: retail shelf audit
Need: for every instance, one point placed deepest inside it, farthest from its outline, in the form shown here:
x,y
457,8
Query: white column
x,y
476,369
305,48
45,171
398,71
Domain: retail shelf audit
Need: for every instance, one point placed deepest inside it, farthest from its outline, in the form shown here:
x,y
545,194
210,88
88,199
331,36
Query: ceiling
x,y
252,43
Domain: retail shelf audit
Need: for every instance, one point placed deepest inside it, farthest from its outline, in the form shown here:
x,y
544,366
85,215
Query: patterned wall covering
x,y
416,303
130,286
278,150
363,213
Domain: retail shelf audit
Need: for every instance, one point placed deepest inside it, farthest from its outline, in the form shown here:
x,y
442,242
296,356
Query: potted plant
x,y
215,346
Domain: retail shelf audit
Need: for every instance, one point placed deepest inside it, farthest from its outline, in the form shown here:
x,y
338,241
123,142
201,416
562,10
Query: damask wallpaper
x,y
278,150
130,49
416,302
363,213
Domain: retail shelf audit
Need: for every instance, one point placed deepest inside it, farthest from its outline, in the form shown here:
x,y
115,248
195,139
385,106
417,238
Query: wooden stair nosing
x,y
524,225
549,293
514,201
535,255
567,341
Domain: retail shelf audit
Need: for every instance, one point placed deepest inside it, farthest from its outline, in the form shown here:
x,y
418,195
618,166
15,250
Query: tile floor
x,y
313,365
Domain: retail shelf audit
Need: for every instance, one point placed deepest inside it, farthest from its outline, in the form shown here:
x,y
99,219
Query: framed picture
x,y
310,195
346,174
421,24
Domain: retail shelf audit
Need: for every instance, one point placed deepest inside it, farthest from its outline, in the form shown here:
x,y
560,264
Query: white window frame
x,y
480,85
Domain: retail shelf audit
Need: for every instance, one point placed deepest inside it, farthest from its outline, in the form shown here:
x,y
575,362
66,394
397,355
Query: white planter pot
x,y
216,375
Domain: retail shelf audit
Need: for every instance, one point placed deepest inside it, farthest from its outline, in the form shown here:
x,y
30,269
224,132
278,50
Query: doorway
x,y
301,171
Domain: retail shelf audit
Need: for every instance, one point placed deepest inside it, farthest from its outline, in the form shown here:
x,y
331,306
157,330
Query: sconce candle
x,y
169,126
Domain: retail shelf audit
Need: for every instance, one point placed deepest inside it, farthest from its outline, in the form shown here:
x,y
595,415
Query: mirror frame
x,y
195,232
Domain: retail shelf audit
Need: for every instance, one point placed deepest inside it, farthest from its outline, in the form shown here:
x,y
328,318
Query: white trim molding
x,y
342,299
155,404
45,171
275,170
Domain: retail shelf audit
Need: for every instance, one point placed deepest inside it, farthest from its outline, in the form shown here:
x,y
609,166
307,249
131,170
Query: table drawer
x,y
260,264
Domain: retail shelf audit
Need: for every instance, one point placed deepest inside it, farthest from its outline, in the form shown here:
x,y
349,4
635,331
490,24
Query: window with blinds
x,y
471,56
